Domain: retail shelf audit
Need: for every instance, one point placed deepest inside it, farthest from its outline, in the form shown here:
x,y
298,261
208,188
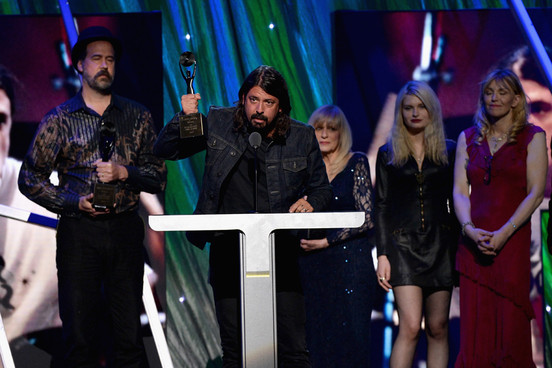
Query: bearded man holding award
x,y
258,160
101,146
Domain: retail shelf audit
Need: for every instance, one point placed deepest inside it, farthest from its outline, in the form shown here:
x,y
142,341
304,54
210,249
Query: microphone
x,y
255,142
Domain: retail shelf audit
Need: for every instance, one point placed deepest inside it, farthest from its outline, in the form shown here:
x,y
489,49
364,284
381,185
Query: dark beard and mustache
x,y
264,131
101,87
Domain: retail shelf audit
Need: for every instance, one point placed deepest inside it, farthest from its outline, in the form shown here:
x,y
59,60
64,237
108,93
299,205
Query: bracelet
x,y
464,227
513,225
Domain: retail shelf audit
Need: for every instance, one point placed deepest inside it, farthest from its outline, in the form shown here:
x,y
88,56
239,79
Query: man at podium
x,y
258,159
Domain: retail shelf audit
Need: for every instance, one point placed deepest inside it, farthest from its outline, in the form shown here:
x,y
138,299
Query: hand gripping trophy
x,y
192,124
104,194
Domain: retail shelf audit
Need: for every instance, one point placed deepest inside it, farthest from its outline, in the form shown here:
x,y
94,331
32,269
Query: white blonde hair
x,y
434,134
333,117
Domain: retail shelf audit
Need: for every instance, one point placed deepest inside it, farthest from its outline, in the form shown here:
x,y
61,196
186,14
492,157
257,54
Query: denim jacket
x,y
294,167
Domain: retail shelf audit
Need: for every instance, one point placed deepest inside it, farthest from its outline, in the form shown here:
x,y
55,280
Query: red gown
x,y
495,310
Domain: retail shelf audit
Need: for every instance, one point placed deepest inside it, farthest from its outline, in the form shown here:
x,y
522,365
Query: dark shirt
x,y
352,191
67,140
238,190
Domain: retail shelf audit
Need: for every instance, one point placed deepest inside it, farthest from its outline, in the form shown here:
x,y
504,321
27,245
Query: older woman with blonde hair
x,y
499,180
337,270
415,227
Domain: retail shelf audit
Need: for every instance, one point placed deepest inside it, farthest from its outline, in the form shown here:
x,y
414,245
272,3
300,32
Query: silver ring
x,y
382,278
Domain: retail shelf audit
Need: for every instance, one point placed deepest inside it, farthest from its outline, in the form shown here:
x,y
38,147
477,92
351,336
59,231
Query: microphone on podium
x,y
255,141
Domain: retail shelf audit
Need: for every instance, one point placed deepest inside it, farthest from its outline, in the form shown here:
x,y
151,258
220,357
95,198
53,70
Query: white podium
x,y
258,298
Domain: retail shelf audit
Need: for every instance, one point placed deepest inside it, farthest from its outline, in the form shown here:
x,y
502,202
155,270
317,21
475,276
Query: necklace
x,y
419,160
496,140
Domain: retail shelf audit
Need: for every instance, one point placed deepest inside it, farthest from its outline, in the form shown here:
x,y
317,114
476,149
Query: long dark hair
x,y
273,83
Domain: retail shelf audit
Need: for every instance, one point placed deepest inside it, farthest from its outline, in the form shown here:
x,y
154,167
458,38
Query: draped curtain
x,y
230,38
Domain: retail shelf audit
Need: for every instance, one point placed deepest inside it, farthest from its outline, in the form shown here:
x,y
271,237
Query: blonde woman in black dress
x,y
414,224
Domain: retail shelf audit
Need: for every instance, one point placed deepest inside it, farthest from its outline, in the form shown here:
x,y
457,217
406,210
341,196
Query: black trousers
x,y
290,306
100,266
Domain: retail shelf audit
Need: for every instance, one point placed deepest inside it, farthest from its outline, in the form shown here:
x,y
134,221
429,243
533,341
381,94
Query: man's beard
x,y
103,87
266,129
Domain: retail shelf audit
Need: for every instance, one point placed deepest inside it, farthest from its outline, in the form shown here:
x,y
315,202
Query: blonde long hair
x,y
434,134
520,112
334,117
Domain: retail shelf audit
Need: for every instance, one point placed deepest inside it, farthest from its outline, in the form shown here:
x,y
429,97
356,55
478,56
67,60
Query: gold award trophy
x,y
104,194
191,125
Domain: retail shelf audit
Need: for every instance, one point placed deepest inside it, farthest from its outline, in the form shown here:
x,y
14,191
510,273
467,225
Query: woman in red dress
x,y
499,180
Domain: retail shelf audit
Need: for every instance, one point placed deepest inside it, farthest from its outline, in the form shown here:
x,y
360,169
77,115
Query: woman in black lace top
x,y
337,270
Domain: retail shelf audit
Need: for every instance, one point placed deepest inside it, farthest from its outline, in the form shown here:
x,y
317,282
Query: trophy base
x,y
104,196
191,125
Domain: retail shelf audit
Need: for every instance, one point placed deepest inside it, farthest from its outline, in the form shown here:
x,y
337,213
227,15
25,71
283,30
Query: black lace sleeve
x,y
362,194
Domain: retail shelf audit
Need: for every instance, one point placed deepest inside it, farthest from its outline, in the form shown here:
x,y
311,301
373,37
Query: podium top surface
x,y
256,221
